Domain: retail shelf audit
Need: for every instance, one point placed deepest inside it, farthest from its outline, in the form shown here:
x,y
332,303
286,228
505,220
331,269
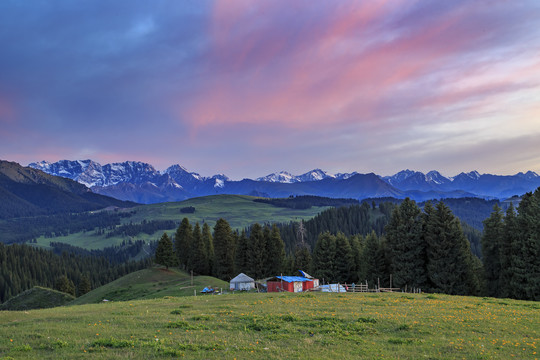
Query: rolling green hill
x,y
37,298
150,284
278,326
240,211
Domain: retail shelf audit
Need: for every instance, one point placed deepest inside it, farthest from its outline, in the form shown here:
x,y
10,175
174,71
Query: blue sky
x,y
247,88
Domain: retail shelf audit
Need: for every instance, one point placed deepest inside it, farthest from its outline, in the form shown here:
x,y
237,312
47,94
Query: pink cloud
x,y
332,69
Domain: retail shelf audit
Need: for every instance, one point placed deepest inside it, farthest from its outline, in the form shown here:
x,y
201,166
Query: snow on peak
x,y
219,183
281,177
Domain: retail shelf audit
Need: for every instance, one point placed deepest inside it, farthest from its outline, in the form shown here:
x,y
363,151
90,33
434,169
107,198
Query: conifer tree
x,y
64,284
491,244
200,255
509,246
209,244
241,255
183,244
302,259
344,261
324,265
406,246
84,285
223,250
375,261
275,253
255,250
356,249
527,254
164,252
450,264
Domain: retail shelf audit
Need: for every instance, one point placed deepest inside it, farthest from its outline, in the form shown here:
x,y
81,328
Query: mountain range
x,y
29,192
141,182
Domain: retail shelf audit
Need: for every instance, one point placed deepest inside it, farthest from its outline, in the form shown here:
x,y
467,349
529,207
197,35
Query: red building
x,y
291,284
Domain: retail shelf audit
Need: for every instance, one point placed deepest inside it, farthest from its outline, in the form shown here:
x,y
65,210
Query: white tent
x,y
242,282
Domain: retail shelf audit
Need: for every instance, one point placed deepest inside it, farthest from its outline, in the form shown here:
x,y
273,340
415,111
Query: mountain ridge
x,y
141,182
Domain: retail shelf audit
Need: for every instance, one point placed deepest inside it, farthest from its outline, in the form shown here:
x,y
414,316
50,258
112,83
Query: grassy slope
x,y
279,326
240,211
149,284
37,298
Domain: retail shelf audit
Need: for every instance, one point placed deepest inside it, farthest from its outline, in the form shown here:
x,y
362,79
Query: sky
x,y
247,88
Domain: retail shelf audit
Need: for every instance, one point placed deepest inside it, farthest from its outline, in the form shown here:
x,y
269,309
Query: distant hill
x,y
29,192
150,283
37,298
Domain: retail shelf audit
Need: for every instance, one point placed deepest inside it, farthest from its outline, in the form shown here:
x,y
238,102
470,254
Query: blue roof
x,y
293,278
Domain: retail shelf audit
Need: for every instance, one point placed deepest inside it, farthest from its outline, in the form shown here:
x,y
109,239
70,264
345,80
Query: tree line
x,y
258,251
511,248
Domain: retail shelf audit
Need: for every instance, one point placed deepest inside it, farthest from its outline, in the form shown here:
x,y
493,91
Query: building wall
x,y
274,286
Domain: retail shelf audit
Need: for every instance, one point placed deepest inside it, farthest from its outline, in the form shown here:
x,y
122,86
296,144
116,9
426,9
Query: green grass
x,y
239,210
150,284
278,326
37,298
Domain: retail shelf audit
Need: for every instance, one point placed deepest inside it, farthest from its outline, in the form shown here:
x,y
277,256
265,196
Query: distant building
x,y
292,283
242,282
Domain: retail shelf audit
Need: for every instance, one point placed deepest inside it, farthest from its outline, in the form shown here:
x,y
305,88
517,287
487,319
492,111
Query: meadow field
x,y
240,211
278,326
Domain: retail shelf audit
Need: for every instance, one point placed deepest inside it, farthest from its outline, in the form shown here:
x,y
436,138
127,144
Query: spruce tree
x,y
356,249
184,244
255,252
200,255
223,250
164,254
375,261
275,253
406,246
324,265
526,261
209,244
507,250
302,259
64,284
84,285
241,254
492,240
449,259
344,260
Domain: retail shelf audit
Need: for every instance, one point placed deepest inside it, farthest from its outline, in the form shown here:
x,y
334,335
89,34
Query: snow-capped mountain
x,y
280,177
313,175
141,182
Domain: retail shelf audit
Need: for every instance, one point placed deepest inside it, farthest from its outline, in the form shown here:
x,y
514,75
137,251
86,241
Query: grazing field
x,y
279,326
240,211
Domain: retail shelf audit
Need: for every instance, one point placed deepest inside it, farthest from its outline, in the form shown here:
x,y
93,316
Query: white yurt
x,y
242,282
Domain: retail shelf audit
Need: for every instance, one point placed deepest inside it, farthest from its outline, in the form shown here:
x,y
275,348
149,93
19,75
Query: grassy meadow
x,y
278,326
240,211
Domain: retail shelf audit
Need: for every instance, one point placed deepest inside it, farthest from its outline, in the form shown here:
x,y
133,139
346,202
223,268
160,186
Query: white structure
x,y
242,282
333,288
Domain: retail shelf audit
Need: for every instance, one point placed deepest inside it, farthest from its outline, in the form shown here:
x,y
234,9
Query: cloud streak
x,y
247,87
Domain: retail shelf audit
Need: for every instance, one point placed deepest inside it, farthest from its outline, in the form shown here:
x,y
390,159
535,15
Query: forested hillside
x,y
23,266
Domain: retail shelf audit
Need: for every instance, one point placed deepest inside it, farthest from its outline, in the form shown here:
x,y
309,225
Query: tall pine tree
x,y
200,255
406,246
184,244
324,264
223,250
209,244
164,252
275,253
492,240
